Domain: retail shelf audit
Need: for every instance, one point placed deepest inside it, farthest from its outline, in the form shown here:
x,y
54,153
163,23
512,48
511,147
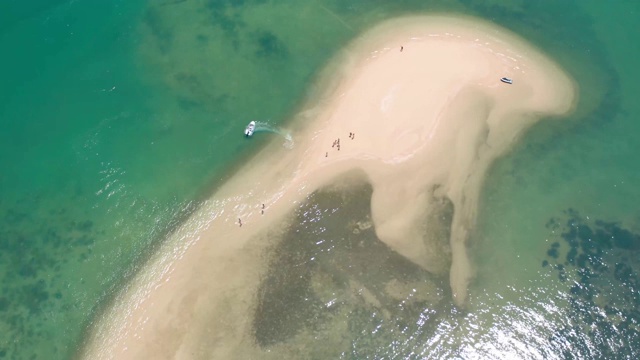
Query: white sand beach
x,y
424,99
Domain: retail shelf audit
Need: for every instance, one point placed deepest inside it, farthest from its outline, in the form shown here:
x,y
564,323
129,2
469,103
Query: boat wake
x,y
263,126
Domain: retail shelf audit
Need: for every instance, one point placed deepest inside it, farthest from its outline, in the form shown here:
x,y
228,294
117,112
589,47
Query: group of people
x,y
261,213
336,143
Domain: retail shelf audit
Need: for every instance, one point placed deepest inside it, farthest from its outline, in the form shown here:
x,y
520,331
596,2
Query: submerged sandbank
x,y
424,99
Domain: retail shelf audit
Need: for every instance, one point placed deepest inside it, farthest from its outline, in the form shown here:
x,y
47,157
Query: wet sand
x,y
416,105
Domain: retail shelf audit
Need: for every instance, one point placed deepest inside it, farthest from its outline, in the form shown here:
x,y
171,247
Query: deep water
x,y
117,117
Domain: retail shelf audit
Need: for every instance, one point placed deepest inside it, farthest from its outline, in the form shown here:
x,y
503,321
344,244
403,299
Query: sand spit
x,y
417,105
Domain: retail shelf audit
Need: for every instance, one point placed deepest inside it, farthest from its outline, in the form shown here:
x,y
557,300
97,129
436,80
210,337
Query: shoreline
x,y
427,123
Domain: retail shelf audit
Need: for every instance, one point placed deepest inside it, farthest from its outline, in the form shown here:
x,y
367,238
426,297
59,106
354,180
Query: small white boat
x,y
506,80
248,131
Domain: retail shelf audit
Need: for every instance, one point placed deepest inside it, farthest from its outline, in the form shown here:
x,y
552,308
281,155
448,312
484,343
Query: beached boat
x,y
506,80
248,131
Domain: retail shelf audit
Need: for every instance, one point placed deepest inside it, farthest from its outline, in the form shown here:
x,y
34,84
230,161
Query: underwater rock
x,y
603,263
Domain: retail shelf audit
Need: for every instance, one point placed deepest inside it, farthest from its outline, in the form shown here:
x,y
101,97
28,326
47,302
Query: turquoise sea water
x,y
117,117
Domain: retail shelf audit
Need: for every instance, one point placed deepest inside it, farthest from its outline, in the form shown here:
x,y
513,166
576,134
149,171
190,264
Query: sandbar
x,y
423,97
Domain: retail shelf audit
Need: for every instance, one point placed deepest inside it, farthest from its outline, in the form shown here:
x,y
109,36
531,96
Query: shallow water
x,y
116,117
335,290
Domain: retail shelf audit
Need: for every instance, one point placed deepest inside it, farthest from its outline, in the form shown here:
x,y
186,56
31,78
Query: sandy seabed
x,y
424,99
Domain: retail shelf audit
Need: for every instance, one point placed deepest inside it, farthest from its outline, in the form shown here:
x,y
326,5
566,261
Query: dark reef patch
x,y
227,15
601,262
161,33
330,268
269,45
34,240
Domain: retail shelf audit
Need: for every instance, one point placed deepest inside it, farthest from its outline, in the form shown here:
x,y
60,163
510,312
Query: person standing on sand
x,y
240,222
